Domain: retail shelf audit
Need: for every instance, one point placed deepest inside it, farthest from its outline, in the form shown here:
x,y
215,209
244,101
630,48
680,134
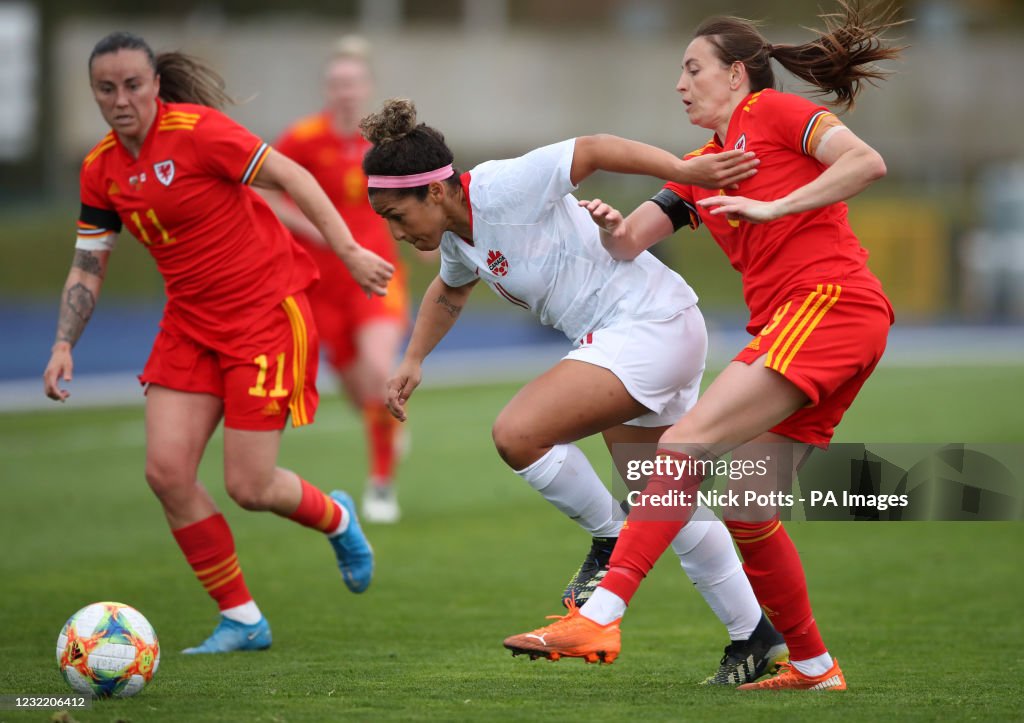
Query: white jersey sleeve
x,y
454,270
522,190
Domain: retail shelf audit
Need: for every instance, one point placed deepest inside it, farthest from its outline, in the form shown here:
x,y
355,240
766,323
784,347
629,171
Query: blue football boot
x,y
355,556
230,635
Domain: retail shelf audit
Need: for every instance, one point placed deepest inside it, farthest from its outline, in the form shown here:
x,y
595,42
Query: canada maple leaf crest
x,y
497,263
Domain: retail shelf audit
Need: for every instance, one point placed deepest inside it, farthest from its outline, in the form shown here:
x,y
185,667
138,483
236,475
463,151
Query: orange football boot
x,y
573,636
789,678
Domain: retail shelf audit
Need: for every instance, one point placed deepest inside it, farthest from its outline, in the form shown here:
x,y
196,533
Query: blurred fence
x,y
949,106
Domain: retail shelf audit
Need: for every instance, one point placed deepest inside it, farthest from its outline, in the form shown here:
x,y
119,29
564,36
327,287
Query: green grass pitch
x,y
925,617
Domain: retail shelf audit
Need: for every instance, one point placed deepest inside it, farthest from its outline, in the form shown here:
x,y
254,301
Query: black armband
x,y
100,218
679,212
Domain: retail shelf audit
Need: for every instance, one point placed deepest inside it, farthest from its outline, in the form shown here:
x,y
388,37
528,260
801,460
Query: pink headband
x,y
412,180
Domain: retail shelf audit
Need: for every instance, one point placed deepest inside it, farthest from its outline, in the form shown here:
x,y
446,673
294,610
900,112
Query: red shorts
x,y
269,374
826,342
341,308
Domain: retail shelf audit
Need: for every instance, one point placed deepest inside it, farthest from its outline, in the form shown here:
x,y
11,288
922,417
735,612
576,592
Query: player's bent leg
x,y
708,557
178,428
653,528
592,570
568,402
251,477
255,483
535,430
771,560
727,415
741,403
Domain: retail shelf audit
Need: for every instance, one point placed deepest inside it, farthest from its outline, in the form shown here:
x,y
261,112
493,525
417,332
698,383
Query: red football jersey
x,y
224,256
336,162
795,251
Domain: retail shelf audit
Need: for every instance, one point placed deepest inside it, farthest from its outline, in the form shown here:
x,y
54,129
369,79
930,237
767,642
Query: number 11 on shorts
x,y
260,389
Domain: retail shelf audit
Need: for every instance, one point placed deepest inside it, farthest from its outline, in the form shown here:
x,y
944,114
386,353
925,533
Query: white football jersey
x,y
537,249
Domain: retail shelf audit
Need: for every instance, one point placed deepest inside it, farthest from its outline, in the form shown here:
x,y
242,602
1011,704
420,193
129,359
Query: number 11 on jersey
x,y
144,236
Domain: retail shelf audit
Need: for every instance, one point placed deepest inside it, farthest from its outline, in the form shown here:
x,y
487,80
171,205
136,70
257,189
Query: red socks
x,y
209,546
666,504
773,567
210,550
316,509
381,431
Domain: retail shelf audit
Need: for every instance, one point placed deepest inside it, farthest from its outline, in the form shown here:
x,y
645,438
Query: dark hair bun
x,y
392,122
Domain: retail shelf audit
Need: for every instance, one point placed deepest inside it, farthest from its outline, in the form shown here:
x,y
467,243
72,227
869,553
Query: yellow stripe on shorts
x,y
799,328
297,404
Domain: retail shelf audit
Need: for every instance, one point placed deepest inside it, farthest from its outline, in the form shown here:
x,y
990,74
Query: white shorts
x,y
659,362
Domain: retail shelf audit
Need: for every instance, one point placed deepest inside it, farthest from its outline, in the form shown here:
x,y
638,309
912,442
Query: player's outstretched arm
x,y
620,155
280,173
78,300
852,166
437,314
626,238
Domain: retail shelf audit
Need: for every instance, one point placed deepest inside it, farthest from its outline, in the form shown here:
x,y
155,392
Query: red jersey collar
x,y
736,111
464,180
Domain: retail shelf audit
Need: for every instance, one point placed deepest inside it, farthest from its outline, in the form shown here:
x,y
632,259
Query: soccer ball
x,y
108,649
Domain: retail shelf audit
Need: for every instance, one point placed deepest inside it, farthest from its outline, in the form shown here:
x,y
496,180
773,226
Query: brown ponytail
x,y
185,79
836,62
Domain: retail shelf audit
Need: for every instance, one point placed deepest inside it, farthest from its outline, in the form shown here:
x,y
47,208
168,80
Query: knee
x,y
167,478
249,491
514,442
246,493
686,430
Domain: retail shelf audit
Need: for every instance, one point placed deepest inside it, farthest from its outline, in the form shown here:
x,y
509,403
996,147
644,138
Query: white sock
x,y
342,523
603,607
565,478
708,558
814,667
246,613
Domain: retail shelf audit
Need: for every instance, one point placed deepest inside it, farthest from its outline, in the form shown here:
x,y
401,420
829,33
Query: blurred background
x,y
945,229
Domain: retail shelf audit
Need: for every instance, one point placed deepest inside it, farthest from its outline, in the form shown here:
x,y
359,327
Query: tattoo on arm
x,y
75,311
452,309
88,262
